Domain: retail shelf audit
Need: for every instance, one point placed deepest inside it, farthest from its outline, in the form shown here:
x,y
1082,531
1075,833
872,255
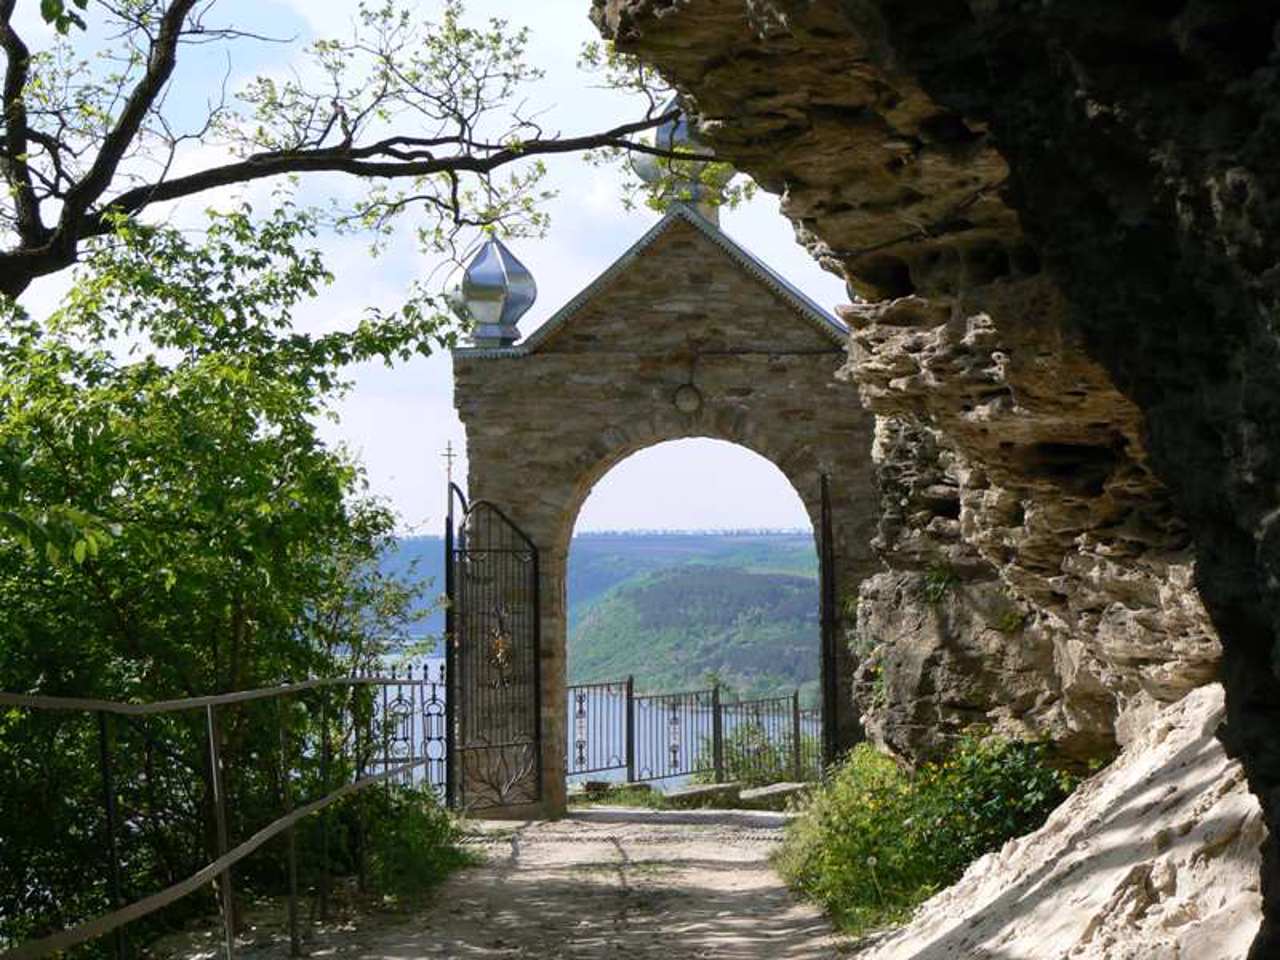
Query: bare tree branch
x,y
16,134
105,145
160,64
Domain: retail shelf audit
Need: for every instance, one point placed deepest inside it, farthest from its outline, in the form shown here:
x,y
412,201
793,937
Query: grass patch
x,y
623,797
875,841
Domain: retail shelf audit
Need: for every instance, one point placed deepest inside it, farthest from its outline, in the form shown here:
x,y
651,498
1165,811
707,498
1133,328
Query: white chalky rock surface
x,y
1155,858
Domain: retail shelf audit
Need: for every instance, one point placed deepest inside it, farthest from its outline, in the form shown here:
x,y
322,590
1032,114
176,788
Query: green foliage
x,y
174,526
1009,619
413,842
875,841
879,685
685,180
61,16
938,579
752,757
989,790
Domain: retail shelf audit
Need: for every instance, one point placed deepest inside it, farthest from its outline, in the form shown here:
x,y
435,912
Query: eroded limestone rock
x,y
1155,858
1032,467
1043,483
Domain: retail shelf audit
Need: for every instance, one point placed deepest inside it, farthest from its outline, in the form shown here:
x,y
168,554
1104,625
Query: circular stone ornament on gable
x,y
687,398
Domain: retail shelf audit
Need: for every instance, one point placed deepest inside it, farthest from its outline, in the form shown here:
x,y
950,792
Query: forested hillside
x,y
672,629
673,608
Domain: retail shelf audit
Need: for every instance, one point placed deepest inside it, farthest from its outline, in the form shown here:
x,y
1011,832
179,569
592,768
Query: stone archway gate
x,y
686,335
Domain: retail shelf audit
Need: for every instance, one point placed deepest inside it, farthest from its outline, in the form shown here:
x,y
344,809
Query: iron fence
x,y
168,798
696,734
600,717
675,734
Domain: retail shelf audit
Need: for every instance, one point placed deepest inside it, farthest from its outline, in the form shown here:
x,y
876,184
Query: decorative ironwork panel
x,y
771,740
675,734
597,727
434,733
494,664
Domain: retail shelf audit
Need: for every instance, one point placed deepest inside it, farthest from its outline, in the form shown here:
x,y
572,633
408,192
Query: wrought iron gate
x,y
492,653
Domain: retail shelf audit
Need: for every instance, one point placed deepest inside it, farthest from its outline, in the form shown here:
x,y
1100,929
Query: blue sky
x,y
399,420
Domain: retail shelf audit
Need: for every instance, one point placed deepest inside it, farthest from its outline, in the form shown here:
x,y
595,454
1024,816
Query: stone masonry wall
x,y
543,428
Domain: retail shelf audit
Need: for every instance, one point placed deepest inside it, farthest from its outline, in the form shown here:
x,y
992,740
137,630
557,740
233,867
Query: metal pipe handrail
x,y
219,868
42,702
104,924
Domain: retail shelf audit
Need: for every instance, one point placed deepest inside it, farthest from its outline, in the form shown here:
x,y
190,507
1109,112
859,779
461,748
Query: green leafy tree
x,y
206,540
427,115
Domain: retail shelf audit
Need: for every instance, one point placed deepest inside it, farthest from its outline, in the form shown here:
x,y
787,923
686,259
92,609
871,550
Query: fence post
x,y
449,670
717,734
631,729
361,758
109,804
286,795
220,821
796,762
322,891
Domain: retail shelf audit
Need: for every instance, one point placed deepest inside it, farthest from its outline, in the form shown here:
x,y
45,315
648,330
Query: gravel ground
x,y
600,884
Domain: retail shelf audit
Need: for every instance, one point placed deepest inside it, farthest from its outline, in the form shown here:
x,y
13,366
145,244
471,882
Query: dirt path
x,y
631,885
626,886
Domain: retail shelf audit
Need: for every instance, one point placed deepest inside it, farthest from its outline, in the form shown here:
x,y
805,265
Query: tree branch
x,y
86,205
160,64
364,162
31,228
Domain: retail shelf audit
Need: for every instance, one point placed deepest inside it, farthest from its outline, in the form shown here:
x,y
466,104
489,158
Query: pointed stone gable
x,y
683,286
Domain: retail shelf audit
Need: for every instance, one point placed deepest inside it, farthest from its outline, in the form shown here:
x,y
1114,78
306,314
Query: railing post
x,y
109,805
322,890
286,795
220,821
449,675
631,729
717,734
796,762
362,763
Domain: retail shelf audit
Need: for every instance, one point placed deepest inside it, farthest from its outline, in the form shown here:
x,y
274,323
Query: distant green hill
x,y
671,608
671,629
599,562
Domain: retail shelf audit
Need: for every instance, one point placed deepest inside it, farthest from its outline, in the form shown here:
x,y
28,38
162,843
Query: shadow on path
x,y
648,885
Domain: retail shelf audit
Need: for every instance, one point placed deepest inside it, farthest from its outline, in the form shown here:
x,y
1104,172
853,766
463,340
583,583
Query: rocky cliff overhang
x,y
1064,216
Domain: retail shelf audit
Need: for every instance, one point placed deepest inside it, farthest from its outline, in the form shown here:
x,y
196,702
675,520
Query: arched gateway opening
x,y
686,335
694,623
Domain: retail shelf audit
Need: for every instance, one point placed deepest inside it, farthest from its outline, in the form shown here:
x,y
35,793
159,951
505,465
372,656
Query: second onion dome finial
x,y
496,290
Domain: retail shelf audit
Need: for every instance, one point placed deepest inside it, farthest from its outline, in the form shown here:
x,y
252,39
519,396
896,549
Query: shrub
x,y
413,842
875,841
988,791
753,758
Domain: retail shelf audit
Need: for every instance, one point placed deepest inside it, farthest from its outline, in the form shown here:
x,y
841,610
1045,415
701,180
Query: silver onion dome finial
x,y
677,135
496,290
